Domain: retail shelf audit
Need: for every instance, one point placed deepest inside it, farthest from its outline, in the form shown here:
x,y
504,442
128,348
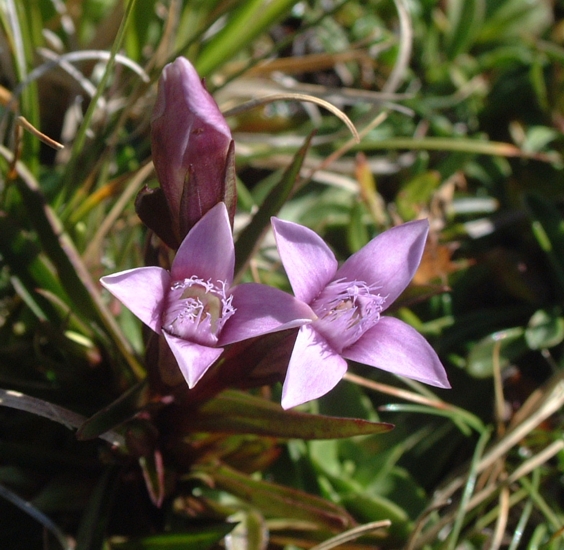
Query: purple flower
x,y
192,152
195,307
348,302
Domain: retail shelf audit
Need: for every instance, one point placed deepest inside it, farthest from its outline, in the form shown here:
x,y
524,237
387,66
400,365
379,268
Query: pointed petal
x,y
389,260
193,360
314,369
394,346
208,250
142,290
260,309
308,261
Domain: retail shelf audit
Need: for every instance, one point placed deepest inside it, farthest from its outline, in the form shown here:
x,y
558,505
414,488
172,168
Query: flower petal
x,y
142,290
394,346
389,260
314,369
193,359
308,261
260,309
208,250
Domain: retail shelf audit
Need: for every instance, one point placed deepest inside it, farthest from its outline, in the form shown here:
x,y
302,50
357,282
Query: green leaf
x,y
238,412
511,344
357,234
466,18
30,269
91,532
121,410
509,19
136,36
462,145
548,228
246,22
538,137
72,273
79,142
374,508
277,501
40,407
417,192
249,237
197,539
545,330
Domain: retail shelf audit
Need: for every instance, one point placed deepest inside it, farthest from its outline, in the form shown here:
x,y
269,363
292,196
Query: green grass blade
x,y
251,235
80,139
250,19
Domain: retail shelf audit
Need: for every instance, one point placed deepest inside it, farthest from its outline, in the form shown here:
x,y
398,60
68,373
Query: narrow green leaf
x,y
238,412
122,409
274,201
463,145
72,273
92,529
80,139
374,508
548,228
197,539
22,24
247,21
417,192
34,405
466,18
275,500
357,234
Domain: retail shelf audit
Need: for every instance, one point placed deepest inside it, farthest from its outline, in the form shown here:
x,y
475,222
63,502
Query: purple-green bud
x,y
192,151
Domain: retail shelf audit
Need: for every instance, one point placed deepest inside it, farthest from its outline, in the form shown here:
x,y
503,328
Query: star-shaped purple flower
x,y
195,307
348,302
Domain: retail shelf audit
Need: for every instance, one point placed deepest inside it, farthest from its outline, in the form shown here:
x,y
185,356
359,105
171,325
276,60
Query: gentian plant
x,y
195,307
347,302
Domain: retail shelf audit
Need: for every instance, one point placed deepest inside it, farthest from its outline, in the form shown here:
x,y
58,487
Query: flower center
x,y
345,311
197,310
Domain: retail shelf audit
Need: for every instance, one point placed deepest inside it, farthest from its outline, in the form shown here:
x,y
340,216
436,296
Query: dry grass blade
x,y
125,197
547,402
396,392
398,73
337,96
501,522
457,413
294,97
26,125
306,63
352,534
349,144
489,491
553,399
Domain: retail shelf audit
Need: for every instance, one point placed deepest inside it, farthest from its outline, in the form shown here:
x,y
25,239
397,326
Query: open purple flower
x,y
194,305
348,302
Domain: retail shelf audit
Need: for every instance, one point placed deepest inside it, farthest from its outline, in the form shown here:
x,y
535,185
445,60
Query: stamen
x,y
197,310
346,310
